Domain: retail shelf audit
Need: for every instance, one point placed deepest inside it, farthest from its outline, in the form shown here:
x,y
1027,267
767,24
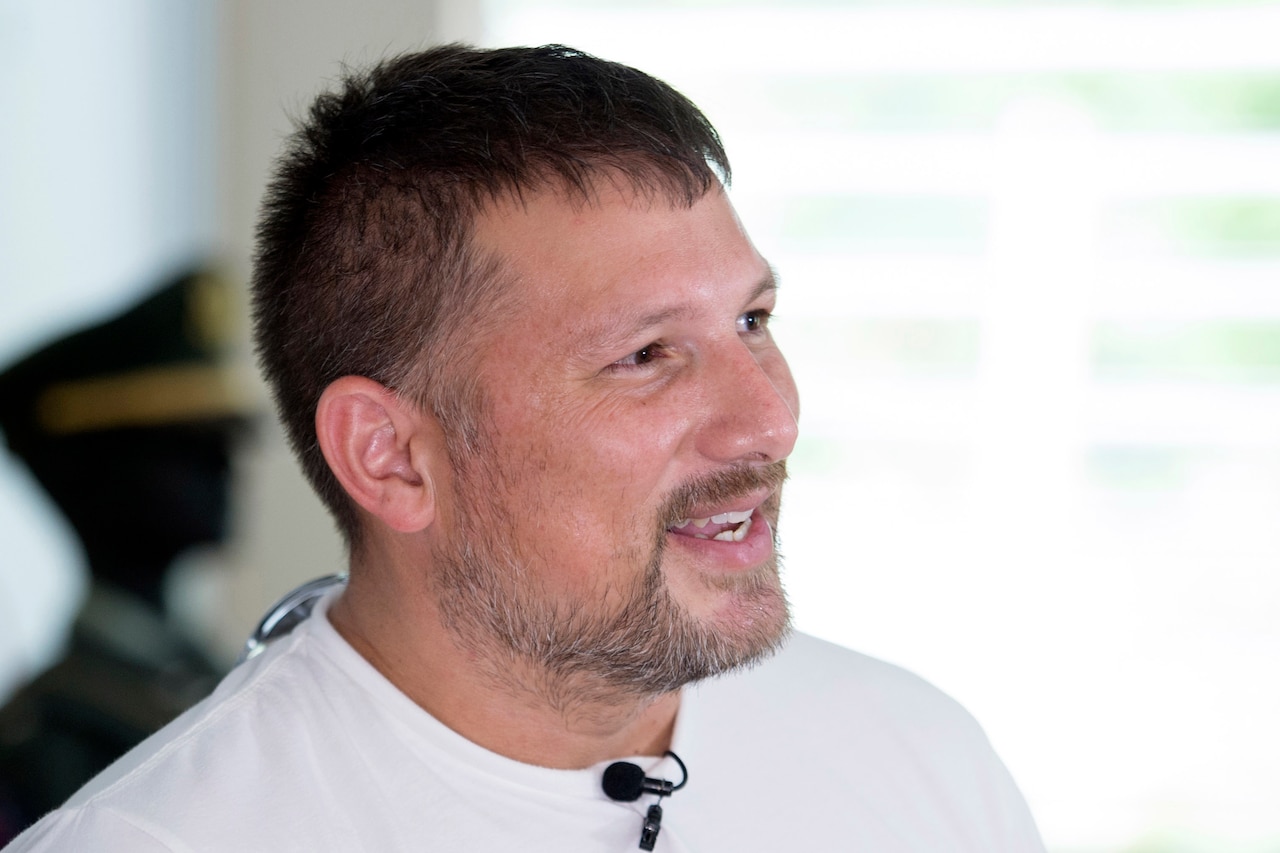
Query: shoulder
x,y
214,760
246,701
853,748
90,828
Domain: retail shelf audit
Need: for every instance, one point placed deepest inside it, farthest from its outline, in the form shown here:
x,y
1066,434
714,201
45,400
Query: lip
x,y
713,554
751,502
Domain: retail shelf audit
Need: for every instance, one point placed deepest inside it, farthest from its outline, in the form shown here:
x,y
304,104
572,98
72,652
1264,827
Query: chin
x,y
748,614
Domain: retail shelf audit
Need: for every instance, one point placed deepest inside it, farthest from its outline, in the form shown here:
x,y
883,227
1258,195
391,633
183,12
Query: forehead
x,y
618,246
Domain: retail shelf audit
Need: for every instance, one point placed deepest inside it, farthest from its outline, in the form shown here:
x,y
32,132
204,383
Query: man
x,y
520,342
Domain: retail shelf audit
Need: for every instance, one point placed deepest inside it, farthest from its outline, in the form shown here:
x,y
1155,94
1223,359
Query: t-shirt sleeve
x,y
88,828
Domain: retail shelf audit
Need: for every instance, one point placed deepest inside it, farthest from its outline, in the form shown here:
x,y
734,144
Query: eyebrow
x,y
623,327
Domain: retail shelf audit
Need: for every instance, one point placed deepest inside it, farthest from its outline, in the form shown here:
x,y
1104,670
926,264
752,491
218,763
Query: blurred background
x,y
1030,260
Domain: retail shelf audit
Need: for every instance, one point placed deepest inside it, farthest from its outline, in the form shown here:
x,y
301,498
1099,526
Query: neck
x,y
498,701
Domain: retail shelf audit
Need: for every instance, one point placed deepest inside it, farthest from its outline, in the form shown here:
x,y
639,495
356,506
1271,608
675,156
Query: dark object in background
x,y
129,425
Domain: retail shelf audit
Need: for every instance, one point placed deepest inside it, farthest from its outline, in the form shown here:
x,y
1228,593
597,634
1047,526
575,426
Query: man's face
x,y
633,393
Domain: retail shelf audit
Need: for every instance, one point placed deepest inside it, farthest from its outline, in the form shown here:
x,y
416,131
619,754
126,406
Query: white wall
x,y
105,143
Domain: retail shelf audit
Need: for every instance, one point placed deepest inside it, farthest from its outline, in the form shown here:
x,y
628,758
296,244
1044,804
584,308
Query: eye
x,y
754,322
644,355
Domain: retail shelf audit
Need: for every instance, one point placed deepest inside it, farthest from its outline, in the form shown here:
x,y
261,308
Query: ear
x,y
377,446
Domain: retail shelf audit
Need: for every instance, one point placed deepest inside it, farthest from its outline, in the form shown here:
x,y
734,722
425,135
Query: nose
x,y
752,405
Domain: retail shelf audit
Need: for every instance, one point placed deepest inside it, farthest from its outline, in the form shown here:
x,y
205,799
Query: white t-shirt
x,y
308,748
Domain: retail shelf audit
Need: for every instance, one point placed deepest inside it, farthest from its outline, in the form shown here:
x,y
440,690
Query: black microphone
x,y
626,782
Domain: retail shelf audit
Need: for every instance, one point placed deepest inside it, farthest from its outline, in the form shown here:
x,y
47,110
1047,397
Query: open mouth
x,y
724,527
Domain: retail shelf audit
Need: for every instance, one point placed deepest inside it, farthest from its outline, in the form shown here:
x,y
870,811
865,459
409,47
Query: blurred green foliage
x,y
889,222
1218,351
1131,102
1140,467
918,346
1221,226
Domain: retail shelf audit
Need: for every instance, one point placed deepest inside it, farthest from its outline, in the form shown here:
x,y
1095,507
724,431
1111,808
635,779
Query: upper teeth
x,y
742,520
722,518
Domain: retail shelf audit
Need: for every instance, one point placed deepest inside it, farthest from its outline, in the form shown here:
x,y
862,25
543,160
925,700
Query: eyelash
x,y
650,352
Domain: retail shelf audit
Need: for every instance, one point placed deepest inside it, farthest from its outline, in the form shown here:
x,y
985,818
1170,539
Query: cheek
x,y
639,440
611,465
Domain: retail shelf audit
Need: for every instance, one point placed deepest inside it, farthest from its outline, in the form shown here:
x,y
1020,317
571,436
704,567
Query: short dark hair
x,y
364,262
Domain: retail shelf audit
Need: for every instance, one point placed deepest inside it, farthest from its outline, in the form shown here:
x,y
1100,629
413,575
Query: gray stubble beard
x,y
570,653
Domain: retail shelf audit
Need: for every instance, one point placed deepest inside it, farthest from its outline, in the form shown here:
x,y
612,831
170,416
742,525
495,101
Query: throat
x,y
570,726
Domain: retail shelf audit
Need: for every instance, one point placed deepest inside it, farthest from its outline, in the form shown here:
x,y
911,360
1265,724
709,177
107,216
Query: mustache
x,y
722,487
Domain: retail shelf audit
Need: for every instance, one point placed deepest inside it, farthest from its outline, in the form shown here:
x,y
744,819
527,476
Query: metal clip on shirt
x,y
287,613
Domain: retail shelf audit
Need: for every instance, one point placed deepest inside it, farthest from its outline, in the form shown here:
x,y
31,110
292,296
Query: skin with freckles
x,y
632,385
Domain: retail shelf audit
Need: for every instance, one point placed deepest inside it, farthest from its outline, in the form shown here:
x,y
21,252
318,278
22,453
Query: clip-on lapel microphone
x,y
626,782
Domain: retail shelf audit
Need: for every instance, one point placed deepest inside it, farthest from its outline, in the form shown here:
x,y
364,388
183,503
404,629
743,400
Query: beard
x,y
621,644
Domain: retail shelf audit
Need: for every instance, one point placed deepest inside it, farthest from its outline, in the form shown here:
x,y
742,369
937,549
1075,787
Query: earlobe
x,y
367,435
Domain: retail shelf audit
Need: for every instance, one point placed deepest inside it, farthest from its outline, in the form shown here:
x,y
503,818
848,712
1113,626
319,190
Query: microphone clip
x,y
652,826
626,782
